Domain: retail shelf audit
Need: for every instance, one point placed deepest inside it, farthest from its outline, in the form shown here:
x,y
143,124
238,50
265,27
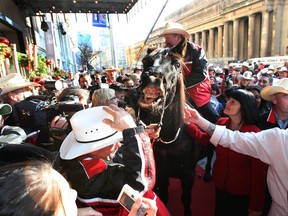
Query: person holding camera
x,y
68,102
95,168
27,110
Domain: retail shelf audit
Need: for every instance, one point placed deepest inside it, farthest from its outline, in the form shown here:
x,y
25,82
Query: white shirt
x,y
270,147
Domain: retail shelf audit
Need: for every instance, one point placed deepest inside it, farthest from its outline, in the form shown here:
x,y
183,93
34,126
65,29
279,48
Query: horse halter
x,y
171,85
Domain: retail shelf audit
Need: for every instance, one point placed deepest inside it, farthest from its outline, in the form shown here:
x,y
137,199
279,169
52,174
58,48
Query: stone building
x,y
231,30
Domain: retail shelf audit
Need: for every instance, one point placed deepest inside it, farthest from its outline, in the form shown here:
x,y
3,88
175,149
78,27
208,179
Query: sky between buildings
x,y
136,25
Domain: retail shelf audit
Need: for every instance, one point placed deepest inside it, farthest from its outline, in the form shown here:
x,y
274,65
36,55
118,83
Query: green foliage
x,y
58,72
22,59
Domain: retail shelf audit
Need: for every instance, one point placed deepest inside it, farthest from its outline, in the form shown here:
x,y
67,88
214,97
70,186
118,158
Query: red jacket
x,y
99,182
234,172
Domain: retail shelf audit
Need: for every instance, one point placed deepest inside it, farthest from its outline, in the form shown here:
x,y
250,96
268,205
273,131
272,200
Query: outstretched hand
x,y
191,115
122,119
153,131
151,203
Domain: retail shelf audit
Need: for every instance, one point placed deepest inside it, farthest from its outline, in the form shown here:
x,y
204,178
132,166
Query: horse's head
x,y
160,79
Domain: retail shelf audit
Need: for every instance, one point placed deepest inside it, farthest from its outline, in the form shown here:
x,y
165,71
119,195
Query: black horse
x,y
162,101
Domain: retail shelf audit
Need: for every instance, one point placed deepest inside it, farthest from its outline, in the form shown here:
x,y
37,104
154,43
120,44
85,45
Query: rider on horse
x,y
195,74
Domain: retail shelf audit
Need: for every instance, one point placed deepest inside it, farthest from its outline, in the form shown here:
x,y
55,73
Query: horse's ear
x,y
165,51
151,49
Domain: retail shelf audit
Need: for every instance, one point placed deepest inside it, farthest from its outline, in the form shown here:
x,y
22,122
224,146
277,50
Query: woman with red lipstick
x,y
240,180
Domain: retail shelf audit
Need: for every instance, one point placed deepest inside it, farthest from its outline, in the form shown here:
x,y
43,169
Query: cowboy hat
x,y
284,69
247,75
175,28
111,69
280,87
88,133
14,81
245,64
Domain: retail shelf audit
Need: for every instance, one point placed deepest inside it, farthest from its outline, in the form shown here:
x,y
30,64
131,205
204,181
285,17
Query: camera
x,y
55,85
127,198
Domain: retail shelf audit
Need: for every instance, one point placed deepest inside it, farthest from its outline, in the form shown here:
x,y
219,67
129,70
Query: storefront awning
x,y
34,7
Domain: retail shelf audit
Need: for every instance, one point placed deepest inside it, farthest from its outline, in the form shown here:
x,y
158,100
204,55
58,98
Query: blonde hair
x,y
32,187
134,77
101,96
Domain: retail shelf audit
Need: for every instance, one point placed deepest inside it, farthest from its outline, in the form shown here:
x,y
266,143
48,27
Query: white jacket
x,y
271,147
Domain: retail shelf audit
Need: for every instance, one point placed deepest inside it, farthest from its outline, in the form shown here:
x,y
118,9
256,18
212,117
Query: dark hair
x,y
248,105
270,77
72,91
254,87
29,189
215,88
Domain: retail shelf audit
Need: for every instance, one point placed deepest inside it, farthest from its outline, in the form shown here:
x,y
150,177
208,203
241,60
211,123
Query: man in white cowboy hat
x,y
245,79
283,72
25,114
111,74
277,116
245,67
15,89
95,168
195,74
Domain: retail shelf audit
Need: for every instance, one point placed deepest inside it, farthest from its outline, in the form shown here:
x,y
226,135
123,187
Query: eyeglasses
x,y
113,98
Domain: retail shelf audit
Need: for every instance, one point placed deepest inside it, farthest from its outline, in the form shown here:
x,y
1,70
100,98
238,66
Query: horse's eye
x,y
177,65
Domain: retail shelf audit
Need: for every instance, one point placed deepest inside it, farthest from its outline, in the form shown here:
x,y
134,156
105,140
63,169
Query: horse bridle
x,y
156,69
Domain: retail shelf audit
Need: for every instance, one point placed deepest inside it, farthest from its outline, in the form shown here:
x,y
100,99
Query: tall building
x,y
232,29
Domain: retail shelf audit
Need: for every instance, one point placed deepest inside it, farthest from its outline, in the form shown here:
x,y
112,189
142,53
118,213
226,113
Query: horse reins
x,y
152,69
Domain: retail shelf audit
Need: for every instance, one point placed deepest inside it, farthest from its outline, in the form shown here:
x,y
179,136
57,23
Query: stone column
x,y
236,39
220,42
264,34
226,40
211,43
203,44
251,33
197,38
242,39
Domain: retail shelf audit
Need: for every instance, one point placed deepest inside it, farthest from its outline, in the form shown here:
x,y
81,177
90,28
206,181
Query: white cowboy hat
x,y
245,64
89,133
284,69
246,75
280,87
14,81
175,28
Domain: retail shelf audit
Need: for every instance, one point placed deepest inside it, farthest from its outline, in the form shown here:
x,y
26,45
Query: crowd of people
x,y
87,136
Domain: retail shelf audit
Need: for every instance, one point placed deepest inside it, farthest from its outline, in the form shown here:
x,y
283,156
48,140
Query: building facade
x,y
231,30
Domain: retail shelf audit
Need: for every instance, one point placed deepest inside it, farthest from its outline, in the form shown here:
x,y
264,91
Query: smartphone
x,y
127,198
